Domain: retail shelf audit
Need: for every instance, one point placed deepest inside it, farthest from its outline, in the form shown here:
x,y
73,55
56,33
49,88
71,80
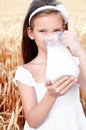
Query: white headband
x,y
59,7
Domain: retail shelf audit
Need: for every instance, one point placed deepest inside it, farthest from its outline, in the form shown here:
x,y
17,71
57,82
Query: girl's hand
x,y
61,86
71,41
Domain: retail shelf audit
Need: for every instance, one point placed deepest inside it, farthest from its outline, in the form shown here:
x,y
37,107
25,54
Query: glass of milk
x,y
60,61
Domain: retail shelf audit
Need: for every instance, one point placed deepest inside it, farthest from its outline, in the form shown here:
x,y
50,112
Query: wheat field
x,y
11,20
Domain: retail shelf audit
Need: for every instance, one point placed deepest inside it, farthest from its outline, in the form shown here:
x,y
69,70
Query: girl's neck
x,y
41,57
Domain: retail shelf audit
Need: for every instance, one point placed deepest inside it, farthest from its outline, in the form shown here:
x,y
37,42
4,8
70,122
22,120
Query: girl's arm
x,y
82,66
71,41
35,112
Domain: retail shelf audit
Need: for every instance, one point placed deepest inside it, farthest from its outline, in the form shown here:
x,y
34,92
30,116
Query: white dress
x,y
67,112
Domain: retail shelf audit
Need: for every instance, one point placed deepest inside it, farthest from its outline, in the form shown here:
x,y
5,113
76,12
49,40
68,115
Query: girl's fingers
x,y
66,86
67,82
61,86
57,83
60,81
65,90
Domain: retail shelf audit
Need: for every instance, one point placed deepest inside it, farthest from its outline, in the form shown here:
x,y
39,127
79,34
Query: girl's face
x,y
44,25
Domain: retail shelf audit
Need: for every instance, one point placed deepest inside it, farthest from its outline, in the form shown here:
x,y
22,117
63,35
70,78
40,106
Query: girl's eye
x,y
57,30
42,31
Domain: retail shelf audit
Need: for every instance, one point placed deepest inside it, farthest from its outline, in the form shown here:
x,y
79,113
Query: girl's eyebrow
x,y
57,29
41,29
53,29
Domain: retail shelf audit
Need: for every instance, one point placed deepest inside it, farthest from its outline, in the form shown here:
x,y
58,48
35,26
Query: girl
x,y
47,105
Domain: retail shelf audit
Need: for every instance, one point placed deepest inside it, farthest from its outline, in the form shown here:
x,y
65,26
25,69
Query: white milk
x,y
60,62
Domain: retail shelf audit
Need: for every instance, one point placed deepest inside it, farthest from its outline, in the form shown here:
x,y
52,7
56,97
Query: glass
x,y
60,61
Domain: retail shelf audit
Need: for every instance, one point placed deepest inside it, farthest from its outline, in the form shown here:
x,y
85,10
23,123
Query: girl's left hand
x,y
71,41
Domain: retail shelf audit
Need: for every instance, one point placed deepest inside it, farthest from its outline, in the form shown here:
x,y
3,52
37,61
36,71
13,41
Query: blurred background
x,y
12,14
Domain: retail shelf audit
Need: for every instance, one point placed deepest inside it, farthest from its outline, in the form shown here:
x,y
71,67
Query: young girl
x,y
47,105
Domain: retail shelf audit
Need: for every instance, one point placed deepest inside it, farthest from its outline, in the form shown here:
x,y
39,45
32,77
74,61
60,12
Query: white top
x,y
66,113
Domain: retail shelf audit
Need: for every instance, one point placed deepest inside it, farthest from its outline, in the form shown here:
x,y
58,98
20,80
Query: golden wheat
x,y
10,107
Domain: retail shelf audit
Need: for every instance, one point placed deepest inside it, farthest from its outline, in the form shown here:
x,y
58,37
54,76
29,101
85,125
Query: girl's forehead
x,y
50,17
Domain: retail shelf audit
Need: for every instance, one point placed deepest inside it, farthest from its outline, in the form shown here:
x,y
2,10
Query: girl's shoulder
x,y
23,75
21,70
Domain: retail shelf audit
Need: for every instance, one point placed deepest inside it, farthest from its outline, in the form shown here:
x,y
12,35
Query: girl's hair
x,y
29,47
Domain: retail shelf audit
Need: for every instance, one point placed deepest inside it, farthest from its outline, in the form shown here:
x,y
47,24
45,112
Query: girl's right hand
x,y
61,86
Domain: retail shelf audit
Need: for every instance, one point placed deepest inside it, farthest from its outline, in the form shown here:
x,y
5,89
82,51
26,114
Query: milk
x,y
60,61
